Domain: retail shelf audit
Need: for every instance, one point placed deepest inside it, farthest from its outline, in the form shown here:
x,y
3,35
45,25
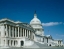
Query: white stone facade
x,y
11,33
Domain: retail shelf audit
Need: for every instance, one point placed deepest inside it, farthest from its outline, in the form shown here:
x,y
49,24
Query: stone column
x,y
9,43
32,35
18,31
12,31
15,32
22,32
25,32
29,33
13,43
9,31
5,42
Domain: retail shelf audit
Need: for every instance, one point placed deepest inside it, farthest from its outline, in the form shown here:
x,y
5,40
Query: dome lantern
x,y
35,15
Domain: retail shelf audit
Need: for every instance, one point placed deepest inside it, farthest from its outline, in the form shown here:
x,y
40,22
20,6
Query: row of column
x,y
17,32
59,42
10,42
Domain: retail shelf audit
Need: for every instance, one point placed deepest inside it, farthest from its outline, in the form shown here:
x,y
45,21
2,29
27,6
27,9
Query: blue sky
x,y
50,12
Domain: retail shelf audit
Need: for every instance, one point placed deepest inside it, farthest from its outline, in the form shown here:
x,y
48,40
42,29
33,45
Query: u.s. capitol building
x,y
19,34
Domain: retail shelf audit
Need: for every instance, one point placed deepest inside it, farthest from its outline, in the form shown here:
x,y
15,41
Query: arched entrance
x,y
50,45
22,43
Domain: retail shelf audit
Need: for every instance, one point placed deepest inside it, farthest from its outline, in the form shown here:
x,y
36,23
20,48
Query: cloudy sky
x,y
50,12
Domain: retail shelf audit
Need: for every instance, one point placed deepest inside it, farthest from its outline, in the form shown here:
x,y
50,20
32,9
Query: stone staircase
x,y
41,44
37,45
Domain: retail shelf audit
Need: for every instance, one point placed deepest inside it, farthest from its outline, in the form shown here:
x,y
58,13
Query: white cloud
x,y
60,35
51,23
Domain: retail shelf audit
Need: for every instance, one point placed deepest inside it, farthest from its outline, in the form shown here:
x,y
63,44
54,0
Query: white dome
x,y
35,20
36,24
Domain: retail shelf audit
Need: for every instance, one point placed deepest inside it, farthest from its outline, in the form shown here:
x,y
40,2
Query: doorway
x,y
50,45
22,43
